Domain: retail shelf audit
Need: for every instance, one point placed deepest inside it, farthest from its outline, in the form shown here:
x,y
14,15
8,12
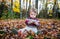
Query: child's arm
x,y
29,21
37,23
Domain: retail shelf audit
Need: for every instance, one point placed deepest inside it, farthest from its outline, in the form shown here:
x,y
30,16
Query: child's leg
x,y
34,29
26,28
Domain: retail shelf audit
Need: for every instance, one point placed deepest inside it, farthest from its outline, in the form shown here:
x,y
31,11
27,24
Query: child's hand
x,y
37,23
31,21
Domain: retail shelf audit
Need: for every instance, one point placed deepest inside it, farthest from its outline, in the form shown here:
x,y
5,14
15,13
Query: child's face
x,y
33,14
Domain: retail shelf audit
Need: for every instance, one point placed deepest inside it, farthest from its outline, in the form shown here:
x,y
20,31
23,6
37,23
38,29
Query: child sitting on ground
x,y
32,22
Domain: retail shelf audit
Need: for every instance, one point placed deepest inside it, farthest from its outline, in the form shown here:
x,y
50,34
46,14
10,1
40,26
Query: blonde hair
x,y
33,9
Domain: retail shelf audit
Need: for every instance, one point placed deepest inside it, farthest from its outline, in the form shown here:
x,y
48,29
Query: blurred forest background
x,y
13,9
